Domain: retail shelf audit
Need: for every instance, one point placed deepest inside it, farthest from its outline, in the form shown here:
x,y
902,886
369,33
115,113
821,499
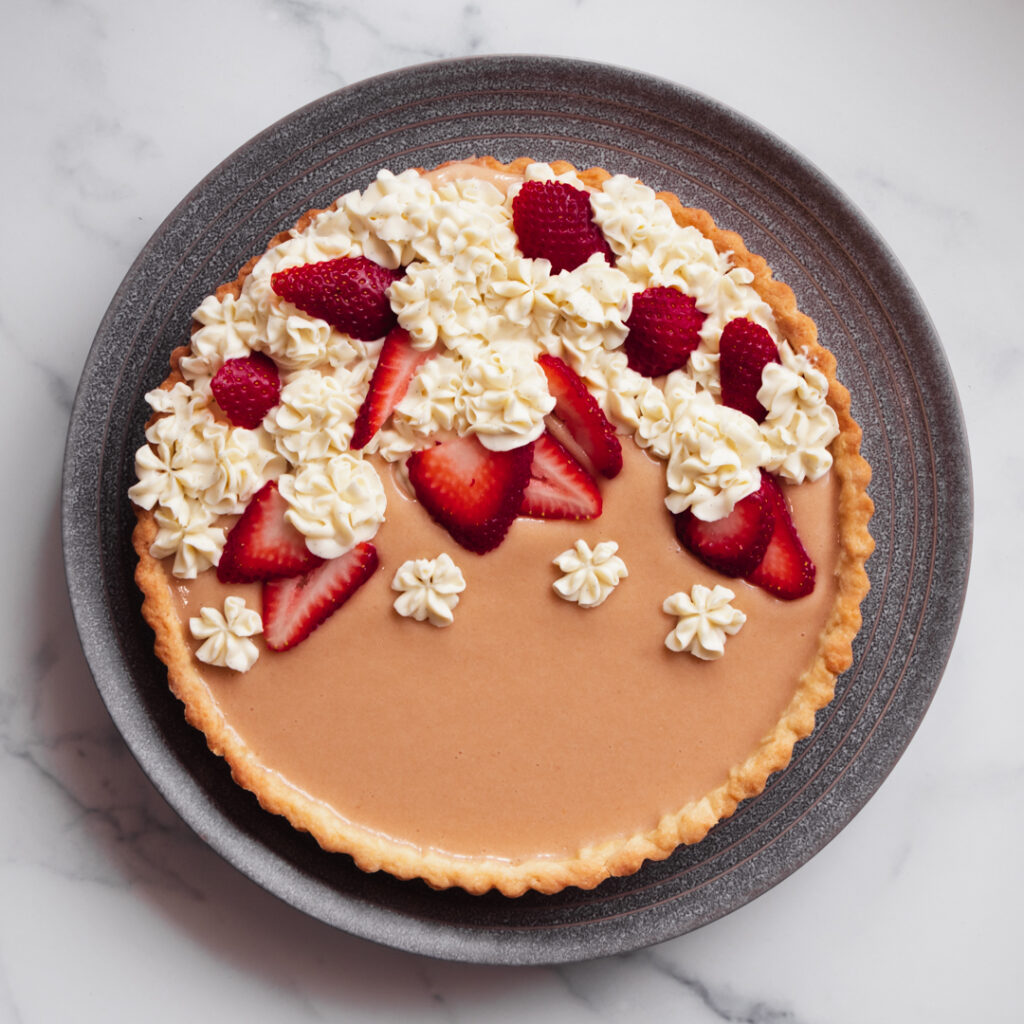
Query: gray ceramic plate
x,y
844,277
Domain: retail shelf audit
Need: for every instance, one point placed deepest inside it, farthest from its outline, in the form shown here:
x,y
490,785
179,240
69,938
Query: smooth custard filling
x,y
530,725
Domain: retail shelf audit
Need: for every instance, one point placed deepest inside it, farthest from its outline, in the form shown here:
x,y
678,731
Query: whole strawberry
x,y
553,221
664,328
745,349
350,293
247,389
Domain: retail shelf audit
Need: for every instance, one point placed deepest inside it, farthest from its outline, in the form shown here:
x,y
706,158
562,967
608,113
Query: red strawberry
x,y
472,492
553,222
735,544
294,607
350,293
786,569
559,487
664,328
263,545
396,366
744,351
577,408
247,389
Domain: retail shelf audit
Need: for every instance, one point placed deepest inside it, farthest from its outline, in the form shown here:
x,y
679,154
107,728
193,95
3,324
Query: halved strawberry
x,y
472,492
745,349
262,544
396,365
735,544
553,221
786,569
350,293
664,328
577,408
294,607
559,487
247,388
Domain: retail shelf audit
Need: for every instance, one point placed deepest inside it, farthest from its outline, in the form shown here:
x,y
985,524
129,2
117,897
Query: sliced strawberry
x,y
472,492
396,365
350,293
263,545
664,328
786,569
247,389
735,544
745,349
577,408
559,487
554,222
294,607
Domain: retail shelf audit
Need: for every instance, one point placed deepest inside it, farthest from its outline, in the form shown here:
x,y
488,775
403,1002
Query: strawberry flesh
x,y
396,366
664,328
745,349
786,569
735,544
559,487
294,607
577,408
473,492
263,545
553,221
350,293
247,389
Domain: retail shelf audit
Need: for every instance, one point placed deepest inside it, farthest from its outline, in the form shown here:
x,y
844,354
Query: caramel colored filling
x,y
530,726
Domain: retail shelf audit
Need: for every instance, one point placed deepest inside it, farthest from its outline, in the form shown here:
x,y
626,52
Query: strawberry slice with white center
x,y
474,493
786,569
294,607
735,544
396,366
559,487
263,545
577,408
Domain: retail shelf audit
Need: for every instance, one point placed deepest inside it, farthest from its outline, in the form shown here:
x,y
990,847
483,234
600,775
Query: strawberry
x,y
247,389
664,328
744,350
786,569
294,607
472,492
577,408
262,544
735,544
396,365
559,487
553,222
350,293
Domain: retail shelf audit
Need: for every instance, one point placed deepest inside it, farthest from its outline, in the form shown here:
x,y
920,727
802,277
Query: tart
x,y
503,526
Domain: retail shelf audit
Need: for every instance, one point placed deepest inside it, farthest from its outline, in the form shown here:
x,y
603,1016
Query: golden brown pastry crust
x,y
621,856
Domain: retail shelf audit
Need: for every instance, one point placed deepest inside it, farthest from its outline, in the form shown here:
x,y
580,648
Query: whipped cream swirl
x,y
429,589
705,618
226,634
589,575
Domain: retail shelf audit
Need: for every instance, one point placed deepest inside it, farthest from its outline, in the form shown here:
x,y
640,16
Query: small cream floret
x,y
429,589
225,635
589,575
705,618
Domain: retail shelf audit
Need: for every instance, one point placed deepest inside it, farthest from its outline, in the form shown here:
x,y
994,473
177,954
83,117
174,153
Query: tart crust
x,y
591,865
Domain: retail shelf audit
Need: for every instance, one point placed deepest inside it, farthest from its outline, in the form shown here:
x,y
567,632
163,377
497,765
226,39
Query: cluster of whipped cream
x,y
485,312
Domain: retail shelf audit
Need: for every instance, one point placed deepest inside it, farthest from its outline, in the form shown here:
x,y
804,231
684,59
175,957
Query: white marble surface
x,y
110,908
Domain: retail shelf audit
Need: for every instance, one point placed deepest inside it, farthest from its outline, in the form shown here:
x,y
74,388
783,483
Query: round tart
x,y
503,526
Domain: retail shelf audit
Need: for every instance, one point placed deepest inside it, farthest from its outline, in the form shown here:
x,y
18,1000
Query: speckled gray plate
x,y
844,277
